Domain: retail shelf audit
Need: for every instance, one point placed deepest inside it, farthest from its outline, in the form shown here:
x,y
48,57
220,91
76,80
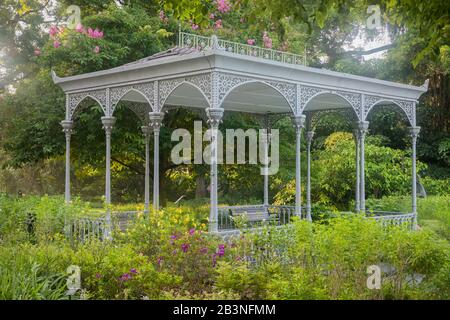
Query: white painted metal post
x,y
214,119
67,129
299,123
309,137
108,124
155,123
146,131
363,128
414,132
265,144
357,150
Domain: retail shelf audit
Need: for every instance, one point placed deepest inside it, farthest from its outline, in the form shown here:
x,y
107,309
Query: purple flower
x,y
204,250
159,261
134,271
173,238
221,251
125,277
98,275
192,231
185,247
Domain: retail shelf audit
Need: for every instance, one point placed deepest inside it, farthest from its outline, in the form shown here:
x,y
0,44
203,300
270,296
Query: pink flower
x,y
212,16
192,231
194,26
267,40
95,34
53,30
218,24
79,28
37,52
251,42
223,6
162,15
56,44
96,49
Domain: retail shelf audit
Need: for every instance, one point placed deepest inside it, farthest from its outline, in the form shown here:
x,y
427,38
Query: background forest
x,y
34,40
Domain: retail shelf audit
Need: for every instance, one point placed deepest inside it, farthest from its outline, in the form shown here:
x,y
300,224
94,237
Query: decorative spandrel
x,y
144,89
75,101
371,101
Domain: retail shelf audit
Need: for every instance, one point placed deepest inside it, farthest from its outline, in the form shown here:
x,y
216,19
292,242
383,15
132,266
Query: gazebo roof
x,y
250,73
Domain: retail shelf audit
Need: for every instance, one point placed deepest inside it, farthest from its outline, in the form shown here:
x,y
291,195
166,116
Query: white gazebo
x,y
217,76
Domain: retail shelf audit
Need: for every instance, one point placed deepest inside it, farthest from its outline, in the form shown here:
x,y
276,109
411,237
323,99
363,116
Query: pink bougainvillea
x,y
56,44
223,6
96,49
251,42
37,52
194,26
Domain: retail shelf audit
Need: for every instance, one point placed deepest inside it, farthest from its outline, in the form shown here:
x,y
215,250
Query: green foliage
x,y
333,170
329,261
163,257
433,211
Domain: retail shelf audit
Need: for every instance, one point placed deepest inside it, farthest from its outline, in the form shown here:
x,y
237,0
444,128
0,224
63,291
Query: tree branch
x,y
128,166
367,52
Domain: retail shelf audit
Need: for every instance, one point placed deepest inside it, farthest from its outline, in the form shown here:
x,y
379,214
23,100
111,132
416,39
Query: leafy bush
x,y
388,172
162,256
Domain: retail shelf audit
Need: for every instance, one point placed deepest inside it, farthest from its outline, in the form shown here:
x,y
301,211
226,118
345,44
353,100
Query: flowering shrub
x,y
159,258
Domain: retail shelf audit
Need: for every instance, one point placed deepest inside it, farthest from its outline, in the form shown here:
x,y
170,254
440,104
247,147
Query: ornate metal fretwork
x,y
226,82
74,100
202,43
140,109
371,101
313,117
354,99
202,82
305,94
117,93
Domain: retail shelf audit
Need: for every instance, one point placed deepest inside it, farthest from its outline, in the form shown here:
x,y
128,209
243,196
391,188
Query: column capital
x,y
414,131
155,120
146,130
108,123
309,136
363,126
214,116
67,126
298,122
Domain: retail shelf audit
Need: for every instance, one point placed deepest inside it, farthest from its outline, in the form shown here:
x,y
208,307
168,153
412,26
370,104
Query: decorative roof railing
x,y
204,43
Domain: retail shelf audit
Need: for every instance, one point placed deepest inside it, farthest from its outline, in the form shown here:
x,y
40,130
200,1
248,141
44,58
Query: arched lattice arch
x,y
74,102
168,87
407,107
352,100
286,91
